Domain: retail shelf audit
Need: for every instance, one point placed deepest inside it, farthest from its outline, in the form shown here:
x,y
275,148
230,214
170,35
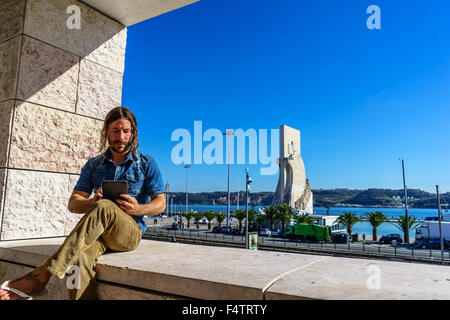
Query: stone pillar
x,y
56,86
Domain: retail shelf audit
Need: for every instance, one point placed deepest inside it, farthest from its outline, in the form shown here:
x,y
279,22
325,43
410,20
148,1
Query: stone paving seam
x,y
268,285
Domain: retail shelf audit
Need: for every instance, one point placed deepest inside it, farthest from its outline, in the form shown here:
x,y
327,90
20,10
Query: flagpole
x,y
246,208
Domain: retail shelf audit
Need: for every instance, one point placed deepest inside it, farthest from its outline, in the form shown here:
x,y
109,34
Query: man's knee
x,y
103,203
103,206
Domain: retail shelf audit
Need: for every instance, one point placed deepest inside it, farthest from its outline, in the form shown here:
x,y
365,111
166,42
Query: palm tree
x,y
197,216
348,219
406,226
304,218
375,219
220,217
270,213
284,214
240,216
260,218
251,216
209,215
188,217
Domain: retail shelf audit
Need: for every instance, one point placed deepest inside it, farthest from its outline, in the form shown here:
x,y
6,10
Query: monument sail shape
x,y
293,188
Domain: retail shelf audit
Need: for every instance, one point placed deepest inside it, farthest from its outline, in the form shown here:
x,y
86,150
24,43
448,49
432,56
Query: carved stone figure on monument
x,y
293,188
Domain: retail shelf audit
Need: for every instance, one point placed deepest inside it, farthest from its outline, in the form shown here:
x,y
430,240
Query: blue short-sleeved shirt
x,y
141,171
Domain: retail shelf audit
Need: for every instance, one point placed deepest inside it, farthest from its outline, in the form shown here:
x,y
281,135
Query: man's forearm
x,y
79,204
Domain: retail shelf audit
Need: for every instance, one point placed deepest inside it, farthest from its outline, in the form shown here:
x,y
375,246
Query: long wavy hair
x,y
116,114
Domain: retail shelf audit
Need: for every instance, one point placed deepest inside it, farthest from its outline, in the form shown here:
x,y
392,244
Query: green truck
x,y
308,232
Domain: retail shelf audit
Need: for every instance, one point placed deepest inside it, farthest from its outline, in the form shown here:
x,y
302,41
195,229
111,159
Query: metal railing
x,y
280,244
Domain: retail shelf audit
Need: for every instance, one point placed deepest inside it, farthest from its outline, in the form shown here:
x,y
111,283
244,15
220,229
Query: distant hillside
x,y
386,197
329,198
221,198
324,198
377,197
431,202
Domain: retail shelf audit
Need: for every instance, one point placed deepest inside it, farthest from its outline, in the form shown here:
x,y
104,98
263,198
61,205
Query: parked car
x,y
225,229
204,221
390,237
276,233
265,232
434,243
216,229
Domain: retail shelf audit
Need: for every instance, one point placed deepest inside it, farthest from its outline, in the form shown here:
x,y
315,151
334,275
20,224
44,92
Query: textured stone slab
x,y
52,140
11,18
226,273
336,278
100,38
2,192
9,66
111,53
71,218
35,204
33,252
198,272
99,90
47,75
6,112
113,292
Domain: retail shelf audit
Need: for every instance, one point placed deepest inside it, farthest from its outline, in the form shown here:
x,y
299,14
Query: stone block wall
x,y
56,86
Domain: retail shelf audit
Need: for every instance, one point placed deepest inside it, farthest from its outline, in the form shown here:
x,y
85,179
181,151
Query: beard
x,y
126,148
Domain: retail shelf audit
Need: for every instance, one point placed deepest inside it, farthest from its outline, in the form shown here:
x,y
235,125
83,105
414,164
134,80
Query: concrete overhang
x,y
129,12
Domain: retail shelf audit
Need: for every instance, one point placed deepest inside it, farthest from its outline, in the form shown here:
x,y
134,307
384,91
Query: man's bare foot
x,y
32,282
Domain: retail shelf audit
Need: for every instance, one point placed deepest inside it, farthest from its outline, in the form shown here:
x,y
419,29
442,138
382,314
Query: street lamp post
x,y
227,134
172,208
248,180
406,203
187,190
440,224
167,199
238,194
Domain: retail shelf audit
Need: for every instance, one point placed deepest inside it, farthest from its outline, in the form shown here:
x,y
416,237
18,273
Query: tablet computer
x,y
112,189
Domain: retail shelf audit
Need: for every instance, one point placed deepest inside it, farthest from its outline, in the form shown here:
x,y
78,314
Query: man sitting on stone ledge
x,y
104,225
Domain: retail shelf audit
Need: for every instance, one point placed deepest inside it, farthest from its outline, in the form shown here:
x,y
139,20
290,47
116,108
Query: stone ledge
x,y
132,12
163,270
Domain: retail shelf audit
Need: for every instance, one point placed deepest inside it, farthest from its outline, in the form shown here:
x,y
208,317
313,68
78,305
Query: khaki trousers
x,y
104,226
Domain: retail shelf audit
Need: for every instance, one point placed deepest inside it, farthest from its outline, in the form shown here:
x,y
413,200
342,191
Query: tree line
x,y
284,213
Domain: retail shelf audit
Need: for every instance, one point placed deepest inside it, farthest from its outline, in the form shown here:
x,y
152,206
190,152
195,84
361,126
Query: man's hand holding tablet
x,y
117,191
129,205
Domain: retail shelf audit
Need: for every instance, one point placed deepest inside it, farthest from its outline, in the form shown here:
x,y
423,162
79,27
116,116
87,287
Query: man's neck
x,y
117,158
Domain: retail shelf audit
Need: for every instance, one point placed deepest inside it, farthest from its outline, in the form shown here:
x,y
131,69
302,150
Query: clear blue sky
x,y
361,98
